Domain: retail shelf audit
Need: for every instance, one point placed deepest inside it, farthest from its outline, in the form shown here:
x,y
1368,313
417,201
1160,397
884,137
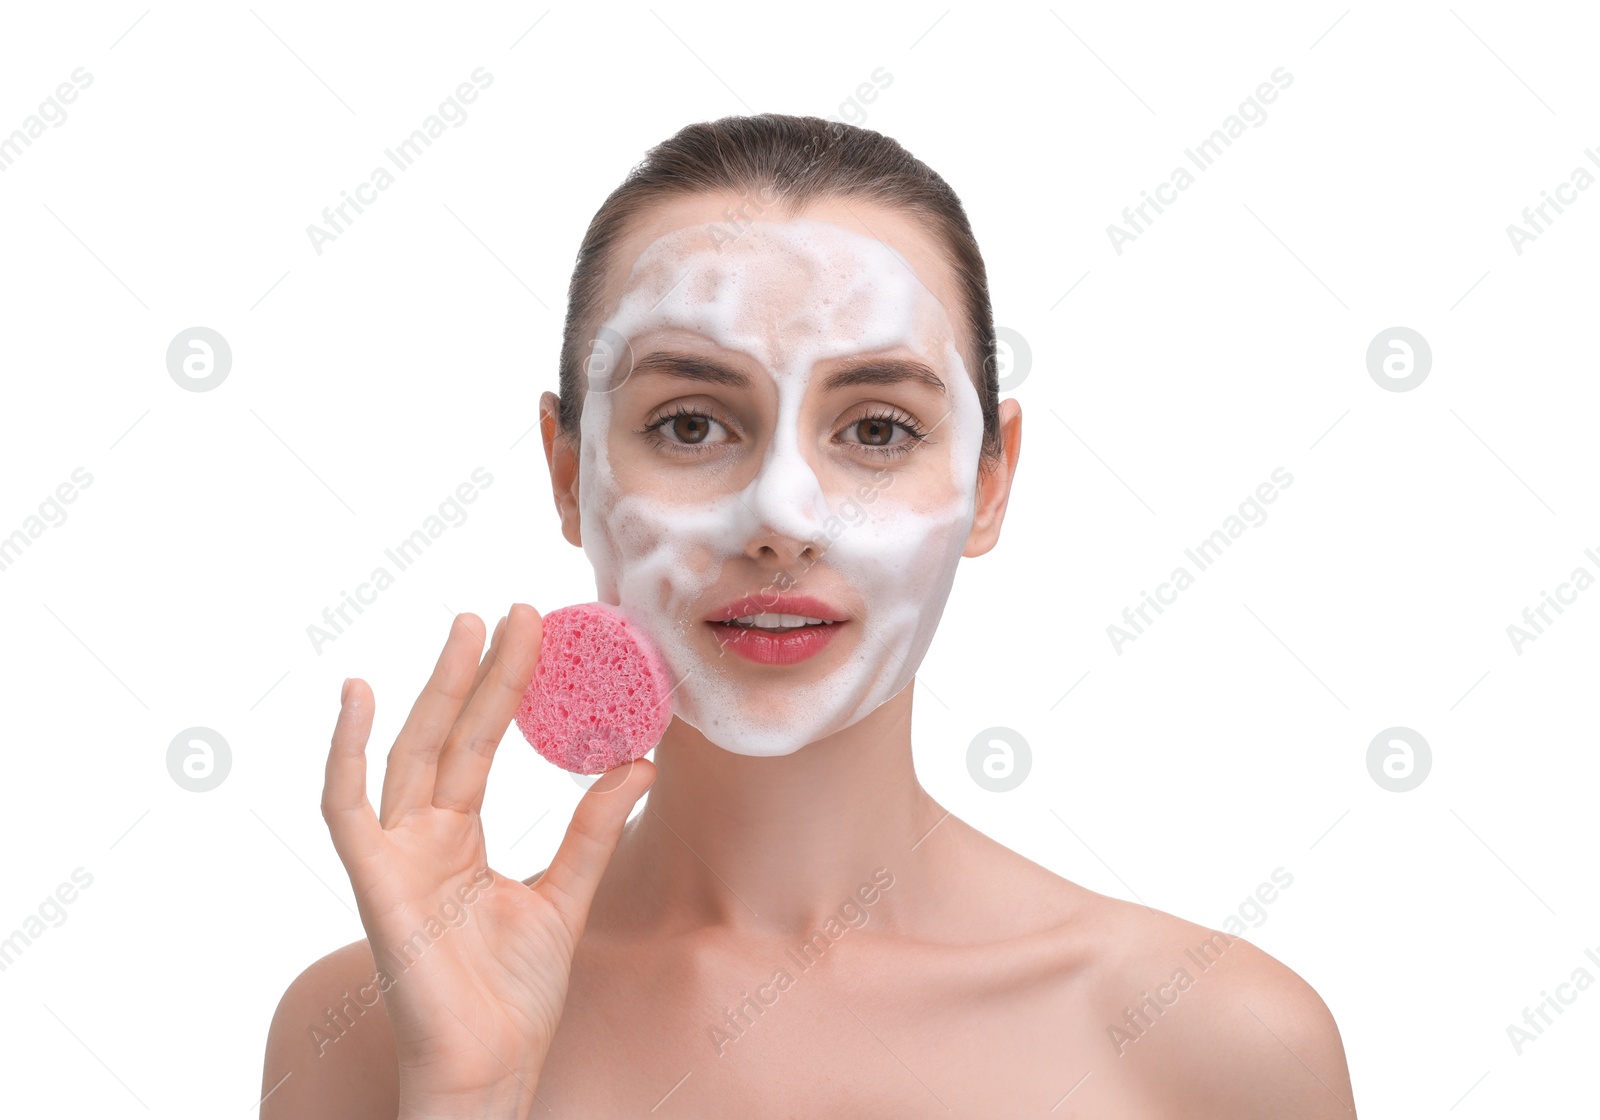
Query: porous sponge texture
x,y
600,695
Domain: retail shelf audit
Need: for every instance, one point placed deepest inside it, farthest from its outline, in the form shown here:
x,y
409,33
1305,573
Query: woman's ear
x,y
994,485
561,456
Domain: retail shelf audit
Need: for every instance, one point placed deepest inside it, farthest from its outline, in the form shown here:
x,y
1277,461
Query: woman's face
x,y
778,422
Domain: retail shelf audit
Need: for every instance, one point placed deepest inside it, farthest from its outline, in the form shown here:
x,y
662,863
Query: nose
x,y
786,506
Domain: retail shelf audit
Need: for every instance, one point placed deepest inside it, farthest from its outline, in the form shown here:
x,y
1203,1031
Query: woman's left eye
x,y
876,432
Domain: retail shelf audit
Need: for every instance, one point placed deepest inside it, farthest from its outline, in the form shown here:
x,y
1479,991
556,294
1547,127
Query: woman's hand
x,y
475,998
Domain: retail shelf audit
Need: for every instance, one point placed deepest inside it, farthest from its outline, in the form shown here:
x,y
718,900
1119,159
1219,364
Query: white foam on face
x,y
671,544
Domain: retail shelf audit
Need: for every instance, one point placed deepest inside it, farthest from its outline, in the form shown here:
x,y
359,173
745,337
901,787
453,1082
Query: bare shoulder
x,y
330,1050
1220,1027
1190,1021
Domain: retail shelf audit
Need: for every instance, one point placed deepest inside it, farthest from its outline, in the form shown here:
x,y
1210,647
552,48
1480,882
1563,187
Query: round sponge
x,y
600,695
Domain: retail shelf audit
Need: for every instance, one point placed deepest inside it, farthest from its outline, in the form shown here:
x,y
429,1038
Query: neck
x,y
769,846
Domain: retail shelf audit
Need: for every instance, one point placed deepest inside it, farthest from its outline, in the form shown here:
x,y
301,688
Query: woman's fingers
x,y
408,778
357,835
570,880
491,656
463,769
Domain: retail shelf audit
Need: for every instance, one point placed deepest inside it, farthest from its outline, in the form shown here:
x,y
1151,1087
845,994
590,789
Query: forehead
x,y
709,229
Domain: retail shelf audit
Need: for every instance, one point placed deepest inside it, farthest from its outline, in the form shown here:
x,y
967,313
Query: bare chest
x,y
862,1034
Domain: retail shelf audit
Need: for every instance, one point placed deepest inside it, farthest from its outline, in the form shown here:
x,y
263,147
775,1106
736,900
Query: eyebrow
x,y
864,371
883,371
690,369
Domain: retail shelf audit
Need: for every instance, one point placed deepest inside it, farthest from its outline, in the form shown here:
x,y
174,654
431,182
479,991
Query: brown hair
x,y
788,161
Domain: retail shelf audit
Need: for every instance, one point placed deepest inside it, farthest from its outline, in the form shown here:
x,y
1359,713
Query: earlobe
x,y
562,458
994,484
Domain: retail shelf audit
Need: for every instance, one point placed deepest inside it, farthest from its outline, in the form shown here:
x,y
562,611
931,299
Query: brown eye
x,y
875,432
683,429
690,428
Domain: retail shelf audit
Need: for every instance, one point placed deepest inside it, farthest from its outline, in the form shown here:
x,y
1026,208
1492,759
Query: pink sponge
x,y
600,695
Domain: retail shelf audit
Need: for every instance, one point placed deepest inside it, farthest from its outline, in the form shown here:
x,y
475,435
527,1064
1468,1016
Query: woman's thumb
x,y
570,881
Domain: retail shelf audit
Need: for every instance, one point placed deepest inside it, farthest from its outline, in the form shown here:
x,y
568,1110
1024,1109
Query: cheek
x,y
895,543
700,560
666,554
909,503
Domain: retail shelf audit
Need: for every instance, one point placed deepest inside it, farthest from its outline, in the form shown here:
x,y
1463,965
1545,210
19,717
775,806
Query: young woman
x,y
777,434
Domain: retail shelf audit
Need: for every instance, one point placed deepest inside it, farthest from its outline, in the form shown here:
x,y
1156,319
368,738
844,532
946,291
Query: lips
x,y
804,606
807,626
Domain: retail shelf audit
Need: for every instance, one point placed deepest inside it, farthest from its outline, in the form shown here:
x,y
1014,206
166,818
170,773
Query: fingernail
x,y
344,693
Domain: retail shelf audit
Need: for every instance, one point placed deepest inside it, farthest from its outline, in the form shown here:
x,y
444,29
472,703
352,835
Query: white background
x,y
369,381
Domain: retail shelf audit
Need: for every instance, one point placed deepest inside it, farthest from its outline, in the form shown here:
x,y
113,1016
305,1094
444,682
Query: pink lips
x,y
768,603
776,649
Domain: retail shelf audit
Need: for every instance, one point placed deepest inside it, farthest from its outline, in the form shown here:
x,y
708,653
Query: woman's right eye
x,y
685,428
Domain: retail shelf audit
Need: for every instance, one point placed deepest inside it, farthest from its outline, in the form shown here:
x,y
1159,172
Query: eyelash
x,y
914,434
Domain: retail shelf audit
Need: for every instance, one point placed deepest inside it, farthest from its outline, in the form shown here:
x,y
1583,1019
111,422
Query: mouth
x,y
776,629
